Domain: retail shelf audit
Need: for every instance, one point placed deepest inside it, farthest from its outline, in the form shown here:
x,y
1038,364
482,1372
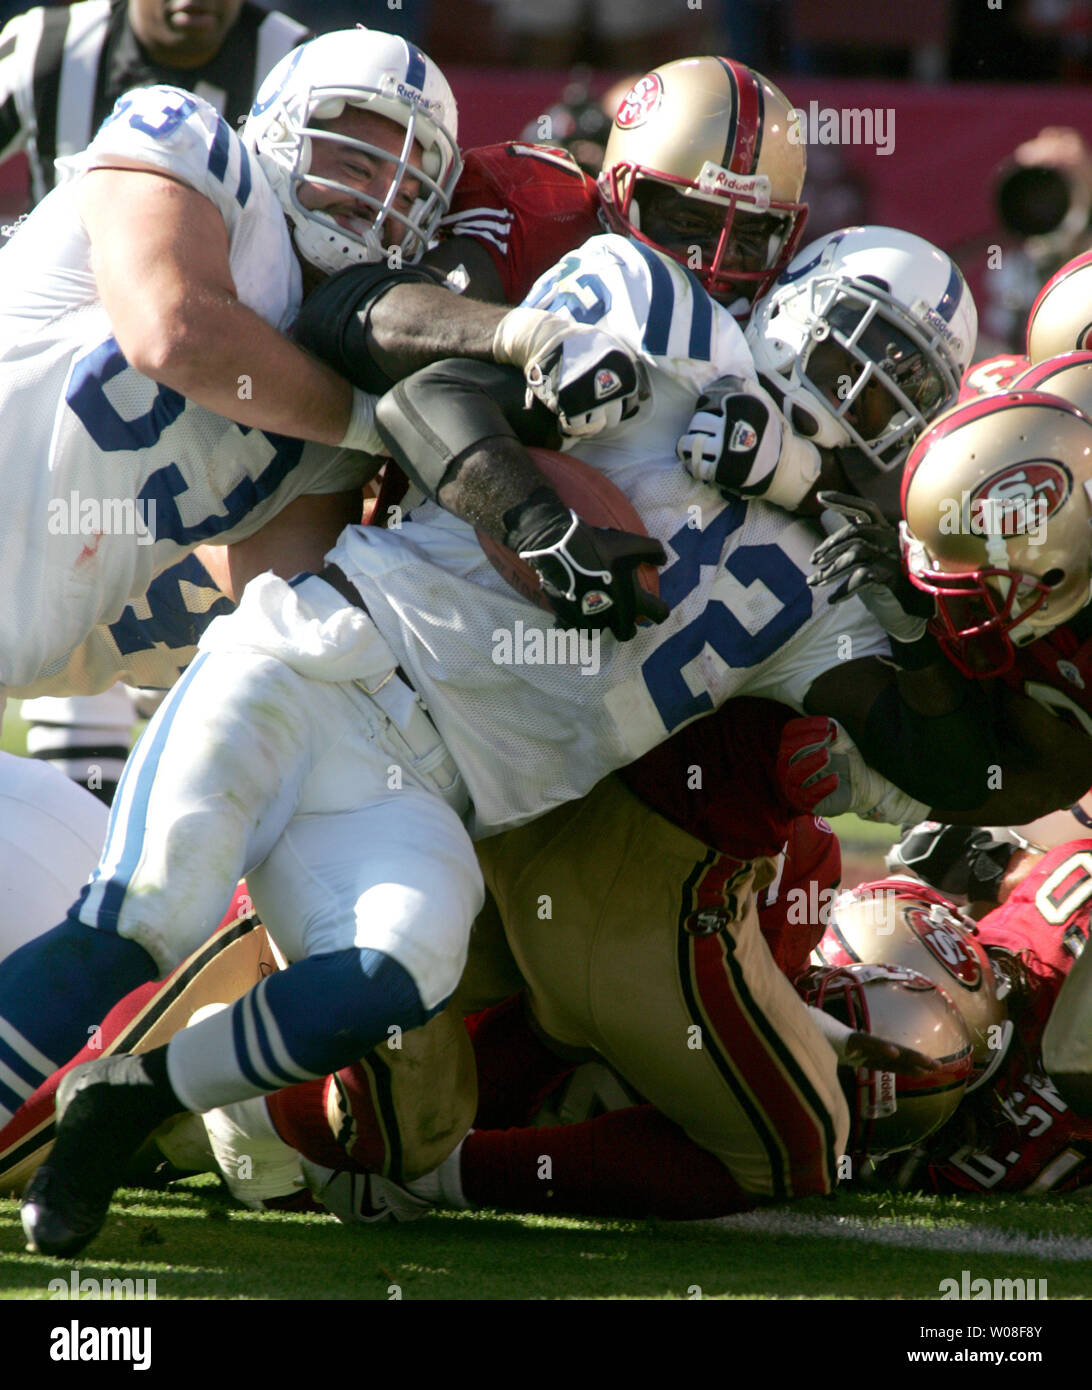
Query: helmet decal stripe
x,y
733,85
741,148
953,293
415,72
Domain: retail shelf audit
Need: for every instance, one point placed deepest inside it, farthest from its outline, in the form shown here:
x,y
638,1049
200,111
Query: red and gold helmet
x,y
889,1112
705,162
1069,375
902,921
998,523
1061,317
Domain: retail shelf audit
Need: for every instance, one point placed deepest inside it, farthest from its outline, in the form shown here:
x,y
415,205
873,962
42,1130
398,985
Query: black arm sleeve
x,y
333,322
435,418
942,760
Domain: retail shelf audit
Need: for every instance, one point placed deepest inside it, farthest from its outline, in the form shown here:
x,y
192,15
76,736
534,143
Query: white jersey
x,y
109,477
535,717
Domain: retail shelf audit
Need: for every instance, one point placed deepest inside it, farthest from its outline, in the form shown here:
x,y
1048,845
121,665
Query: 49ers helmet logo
x,y
1019,498
947,943
639,102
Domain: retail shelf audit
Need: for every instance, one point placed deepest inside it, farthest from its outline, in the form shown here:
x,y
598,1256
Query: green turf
x,y
197,1246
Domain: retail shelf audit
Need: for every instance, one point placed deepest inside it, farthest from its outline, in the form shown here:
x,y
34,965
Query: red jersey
x,y
1056,671
1017,1134
716,779
991,375
528,205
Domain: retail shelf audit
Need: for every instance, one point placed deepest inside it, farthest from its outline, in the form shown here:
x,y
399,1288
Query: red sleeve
x,y
1045,921
717,779
791,911
527,205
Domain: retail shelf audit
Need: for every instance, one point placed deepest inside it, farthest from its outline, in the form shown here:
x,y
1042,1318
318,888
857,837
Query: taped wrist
x,y
362,433
522,334
333,320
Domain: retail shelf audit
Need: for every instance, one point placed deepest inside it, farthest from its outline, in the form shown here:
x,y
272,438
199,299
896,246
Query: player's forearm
x,y
226,358
415,324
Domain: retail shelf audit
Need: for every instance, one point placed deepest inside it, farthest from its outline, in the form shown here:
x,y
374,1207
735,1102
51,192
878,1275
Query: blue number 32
x,y
717,626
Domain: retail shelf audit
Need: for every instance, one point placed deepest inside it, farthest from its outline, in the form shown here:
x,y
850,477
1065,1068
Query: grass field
x,y
195,1245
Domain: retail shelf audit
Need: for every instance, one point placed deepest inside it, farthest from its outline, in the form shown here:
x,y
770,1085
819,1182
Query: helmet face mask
x,y
289,129
725,142
868,330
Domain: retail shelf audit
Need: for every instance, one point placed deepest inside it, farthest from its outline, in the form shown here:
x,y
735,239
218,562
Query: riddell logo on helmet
x,y
639,102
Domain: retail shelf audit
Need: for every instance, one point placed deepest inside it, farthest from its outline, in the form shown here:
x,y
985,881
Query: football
x,y
594,498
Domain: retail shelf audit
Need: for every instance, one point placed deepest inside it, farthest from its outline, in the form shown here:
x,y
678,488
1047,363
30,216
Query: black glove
x,y
957,860
864,556
588,573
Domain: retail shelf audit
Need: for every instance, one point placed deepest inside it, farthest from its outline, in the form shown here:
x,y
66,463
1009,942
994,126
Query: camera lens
x,y
1032,200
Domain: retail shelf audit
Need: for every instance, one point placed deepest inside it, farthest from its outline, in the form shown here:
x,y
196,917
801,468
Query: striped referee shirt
x,y
62,69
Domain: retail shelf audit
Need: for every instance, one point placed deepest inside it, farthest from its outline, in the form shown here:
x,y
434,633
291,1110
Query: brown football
x,y
594,498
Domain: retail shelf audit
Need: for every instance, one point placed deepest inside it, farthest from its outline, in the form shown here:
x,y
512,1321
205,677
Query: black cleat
x,y
105,1110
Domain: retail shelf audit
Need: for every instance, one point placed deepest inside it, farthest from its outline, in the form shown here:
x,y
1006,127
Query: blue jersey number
x,y
170,119
717,626
584,297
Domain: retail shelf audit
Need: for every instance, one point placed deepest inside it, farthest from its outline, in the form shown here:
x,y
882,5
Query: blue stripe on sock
x,y
242,1055
261,1033
15,1062
9,1100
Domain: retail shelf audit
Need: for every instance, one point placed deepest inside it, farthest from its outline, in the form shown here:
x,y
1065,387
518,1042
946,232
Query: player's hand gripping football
x,y
589,573
862,558
585,377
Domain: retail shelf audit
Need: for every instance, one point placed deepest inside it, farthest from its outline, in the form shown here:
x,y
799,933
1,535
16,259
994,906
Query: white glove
x,y
587,378
739,440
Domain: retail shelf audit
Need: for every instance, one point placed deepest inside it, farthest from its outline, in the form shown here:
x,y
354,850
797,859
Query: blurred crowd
x,y
937,40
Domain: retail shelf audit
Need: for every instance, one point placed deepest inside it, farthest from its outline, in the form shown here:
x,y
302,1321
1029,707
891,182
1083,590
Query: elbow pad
x,y
333,320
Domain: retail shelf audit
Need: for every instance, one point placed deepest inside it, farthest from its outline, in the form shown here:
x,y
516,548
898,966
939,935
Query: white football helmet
x,y
902,921
889,1112
379,73
867,333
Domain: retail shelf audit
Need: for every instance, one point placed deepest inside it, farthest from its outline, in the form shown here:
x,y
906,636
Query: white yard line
x,y
954,1238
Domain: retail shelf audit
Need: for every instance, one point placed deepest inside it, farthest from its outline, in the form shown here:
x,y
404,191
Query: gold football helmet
x,y
902,921
889,1112
1061,317
1069,375
705,162
997,500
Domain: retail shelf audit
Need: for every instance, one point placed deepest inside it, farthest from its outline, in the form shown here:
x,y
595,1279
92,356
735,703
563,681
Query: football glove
x,y
739,440
585,377
588,573
862,558
805,766
957,860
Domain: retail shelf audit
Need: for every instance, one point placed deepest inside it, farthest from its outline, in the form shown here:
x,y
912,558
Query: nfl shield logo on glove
x,y
607,383
744,438
595,601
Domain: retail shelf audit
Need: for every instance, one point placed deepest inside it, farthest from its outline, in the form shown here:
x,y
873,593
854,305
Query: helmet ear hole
x,y
1053,578
803,423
